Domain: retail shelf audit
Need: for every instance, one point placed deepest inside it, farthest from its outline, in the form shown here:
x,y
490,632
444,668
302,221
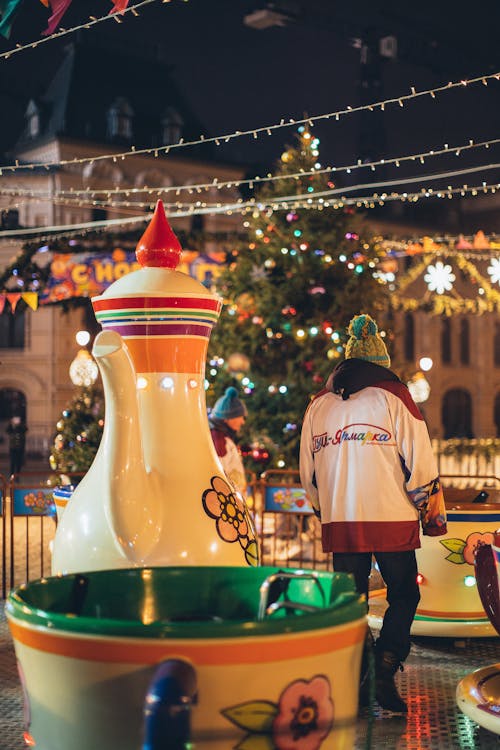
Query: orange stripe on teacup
x,y
60,503
169,354
248,650
452,615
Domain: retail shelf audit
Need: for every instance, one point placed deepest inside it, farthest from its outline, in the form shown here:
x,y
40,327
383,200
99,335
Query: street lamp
x,y
425,364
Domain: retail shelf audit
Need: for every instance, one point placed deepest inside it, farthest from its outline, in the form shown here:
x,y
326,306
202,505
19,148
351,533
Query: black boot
x,y
386,666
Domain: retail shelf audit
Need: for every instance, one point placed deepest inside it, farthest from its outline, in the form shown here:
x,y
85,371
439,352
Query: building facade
x,y
74,121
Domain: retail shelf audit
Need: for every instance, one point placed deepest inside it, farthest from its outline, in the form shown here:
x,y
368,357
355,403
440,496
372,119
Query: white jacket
x,y
368,468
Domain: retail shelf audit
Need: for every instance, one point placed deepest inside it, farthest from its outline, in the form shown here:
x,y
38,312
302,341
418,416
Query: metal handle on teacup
x,y
267,589
167,708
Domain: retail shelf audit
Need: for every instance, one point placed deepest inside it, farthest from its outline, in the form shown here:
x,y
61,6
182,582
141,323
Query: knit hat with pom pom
x,y
229,405
365,341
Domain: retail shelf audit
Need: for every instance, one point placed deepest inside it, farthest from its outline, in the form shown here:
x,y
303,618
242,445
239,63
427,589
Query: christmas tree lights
x,y
289,295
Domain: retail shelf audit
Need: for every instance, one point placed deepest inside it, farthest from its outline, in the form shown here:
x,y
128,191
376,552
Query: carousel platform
x,y
429,682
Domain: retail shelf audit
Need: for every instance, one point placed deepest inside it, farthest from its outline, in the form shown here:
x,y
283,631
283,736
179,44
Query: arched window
x,y
409,337
171,125
446,341
464,343
497,413
496,345
120,116
456,414
12,326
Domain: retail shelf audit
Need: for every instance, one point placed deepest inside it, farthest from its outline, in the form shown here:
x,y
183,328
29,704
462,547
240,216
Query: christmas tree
x,y
289,295
79,432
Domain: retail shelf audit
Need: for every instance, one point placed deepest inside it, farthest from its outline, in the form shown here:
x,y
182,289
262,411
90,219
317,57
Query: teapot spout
x,y
122,450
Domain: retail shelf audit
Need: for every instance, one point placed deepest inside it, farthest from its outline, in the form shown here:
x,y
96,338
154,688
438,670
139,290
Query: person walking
x,y
225,420
367,465
16,431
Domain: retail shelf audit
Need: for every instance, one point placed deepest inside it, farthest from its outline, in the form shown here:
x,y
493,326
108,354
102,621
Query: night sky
x,y
236,77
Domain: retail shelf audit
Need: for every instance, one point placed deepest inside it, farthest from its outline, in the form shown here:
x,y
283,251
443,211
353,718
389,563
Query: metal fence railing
x,y
288,532
28,524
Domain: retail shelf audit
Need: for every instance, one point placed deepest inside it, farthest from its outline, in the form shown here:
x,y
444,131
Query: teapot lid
x,y
158,252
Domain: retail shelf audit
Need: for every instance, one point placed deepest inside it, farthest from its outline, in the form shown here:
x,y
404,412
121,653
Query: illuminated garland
x,y
487,300
194,207
215,184
285,203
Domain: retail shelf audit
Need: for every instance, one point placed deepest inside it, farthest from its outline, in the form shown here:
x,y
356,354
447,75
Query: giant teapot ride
x,y
156,493
158,627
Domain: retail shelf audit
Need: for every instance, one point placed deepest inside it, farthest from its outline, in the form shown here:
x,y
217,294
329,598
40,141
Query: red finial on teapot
x,y
158,245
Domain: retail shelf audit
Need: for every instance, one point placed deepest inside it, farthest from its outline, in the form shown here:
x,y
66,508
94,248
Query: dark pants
x,y
16,460
399,571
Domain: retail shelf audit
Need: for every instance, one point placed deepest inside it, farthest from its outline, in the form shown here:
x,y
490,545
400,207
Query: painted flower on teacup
x,y
301,719
464,550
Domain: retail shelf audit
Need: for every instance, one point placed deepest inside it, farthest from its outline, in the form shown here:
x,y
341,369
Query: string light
x,y
87,25
366,202
241,133
204,207
216,185
89,225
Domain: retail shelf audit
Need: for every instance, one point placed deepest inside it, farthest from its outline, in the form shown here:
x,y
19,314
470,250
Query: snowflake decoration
x,y
494,270
439,278
258,273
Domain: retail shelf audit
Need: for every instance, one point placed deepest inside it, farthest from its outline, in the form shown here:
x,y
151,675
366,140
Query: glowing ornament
x,y
238,362
439,278
83,370
419,388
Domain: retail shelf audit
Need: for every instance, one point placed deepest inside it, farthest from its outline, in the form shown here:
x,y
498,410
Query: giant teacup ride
x,y
450,605
155,658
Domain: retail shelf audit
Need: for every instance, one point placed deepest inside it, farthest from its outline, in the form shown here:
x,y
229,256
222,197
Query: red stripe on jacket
x,y
370,536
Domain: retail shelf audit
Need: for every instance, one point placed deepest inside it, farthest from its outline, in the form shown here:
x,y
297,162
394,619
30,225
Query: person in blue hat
x,y
226,420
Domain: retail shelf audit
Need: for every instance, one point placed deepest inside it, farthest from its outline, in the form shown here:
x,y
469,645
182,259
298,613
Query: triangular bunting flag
x,y
45,2
480,241
7,12
462,243
3,300
13,298
31,299
59,8
430,245
119,6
